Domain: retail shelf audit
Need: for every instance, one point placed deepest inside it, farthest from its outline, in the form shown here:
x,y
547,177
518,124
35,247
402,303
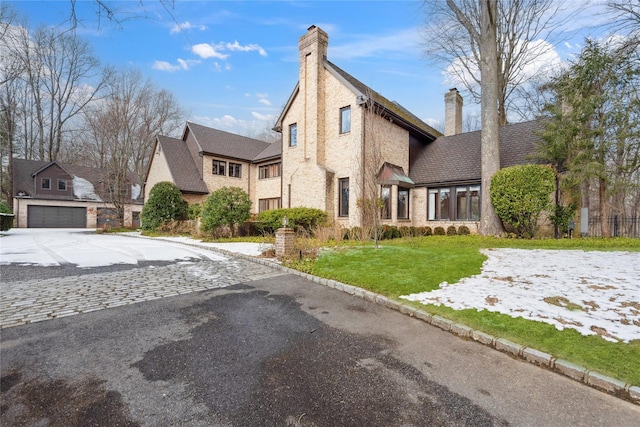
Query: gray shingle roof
x,y
221,143
184,171
397,110
456,158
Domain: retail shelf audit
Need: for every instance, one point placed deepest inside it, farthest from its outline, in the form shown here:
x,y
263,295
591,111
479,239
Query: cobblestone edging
x,y
578,373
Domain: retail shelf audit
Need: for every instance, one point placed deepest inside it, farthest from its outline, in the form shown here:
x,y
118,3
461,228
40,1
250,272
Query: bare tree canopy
x,y
525,31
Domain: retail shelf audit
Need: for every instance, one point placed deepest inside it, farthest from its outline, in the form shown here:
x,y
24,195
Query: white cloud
x,y
235,46
205,51
178,28
377,45
164,66
183,64
264,101
263,117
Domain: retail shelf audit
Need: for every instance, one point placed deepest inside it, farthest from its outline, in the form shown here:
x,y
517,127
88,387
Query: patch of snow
x,y
591,292
83,189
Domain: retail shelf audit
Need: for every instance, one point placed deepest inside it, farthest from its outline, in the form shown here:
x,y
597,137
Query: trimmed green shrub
x,y
439,231
307,218
519,194
165,204
463,230
194,211
404,231
6,222
227,206
451,230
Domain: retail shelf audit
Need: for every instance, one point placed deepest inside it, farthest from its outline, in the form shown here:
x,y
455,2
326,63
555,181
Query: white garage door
x,y
56,217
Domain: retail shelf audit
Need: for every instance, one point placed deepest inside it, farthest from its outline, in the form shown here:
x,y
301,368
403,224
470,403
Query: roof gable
x,y
182,167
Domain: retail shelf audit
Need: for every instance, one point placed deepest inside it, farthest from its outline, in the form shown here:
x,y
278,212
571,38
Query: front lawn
x,y
405,266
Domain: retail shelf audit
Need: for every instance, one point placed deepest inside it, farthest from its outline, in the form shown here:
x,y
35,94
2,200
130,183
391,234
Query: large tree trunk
x,y
490,224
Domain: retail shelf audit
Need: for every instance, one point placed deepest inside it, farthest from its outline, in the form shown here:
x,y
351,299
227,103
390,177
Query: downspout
x,y
363,134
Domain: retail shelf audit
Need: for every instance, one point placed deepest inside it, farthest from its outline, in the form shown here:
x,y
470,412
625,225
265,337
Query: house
x,y
207,159
343,143
57,195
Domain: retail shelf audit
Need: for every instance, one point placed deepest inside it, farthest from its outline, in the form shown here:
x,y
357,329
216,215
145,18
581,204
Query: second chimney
x,y
452,112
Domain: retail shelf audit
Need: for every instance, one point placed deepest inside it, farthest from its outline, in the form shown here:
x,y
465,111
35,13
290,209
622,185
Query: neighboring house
x,y
206,159
56,195
330,126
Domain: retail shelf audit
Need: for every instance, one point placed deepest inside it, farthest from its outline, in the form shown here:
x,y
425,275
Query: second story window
x,y
235,170
269,171
62,184
219,167
46,184
345,120
293,135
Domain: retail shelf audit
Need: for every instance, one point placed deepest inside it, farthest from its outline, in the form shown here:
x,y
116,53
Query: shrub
x,y
404,231
563,215
165,204
227,206
463,230
451,230
194,211
6,222
519,194
439,231
356,233
390,232
307,218
413,231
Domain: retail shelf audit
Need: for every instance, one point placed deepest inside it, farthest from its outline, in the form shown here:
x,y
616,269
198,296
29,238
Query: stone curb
x,y
578,373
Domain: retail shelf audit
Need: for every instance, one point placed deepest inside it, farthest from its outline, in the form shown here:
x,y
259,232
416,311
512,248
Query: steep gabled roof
x,y
182,167
272,152
456,158
217,142
403,117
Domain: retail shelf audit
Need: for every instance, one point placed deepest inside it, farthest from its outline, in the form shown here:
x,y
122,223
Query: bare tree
x,y
521,28
626,18
122,129
61,77
370,161
483,34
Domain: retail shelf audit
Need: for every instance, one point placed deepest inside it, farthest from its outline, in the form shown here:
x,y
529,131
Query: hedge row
x,y
387,232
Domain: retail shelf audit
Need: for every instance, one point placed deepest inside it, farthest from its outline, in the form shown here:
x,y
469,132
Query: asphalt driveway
x,y
261,351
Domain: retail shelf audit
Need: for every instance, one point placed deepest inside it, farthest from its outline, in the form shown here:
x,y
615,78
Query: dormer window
x,y
46,184
62,185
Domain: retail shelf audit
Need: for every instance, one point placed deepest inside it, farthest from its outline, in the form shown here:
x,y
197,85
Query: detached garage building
x,y
56,195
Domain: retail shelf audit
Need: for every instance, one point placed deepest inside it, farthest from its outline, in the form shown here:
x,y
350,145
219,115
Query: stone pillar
x,y
285,238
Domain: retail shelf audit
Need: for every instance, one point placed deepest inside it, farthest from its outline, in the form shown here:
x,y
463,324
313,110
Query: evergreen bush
x,y
165,204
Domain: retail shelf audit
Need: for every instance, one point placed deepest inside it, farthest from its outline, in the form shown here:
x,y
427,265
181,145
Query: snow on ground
x,y
592,292
246,248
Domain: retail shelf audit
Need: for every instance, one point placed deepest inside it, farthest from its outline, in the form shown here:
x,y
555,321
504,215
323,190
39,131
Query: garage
x,y
56,217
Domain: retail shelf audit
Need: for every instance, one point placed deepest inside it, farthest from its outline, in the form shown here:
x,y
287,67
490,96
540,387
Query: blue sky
x,y
233,64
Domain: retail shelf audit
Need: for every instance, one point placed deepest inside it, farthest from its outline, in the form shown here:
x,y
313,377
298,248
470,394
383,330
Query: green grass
x,y
405,266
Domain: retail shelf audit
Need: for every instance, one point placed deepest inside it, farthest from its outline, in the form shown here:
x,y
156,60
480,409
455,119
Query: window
x,y
403,203
345,120
269,171
219,167
268,204
385,195
235,170
293,135
46,184
465,206
343,201
62,184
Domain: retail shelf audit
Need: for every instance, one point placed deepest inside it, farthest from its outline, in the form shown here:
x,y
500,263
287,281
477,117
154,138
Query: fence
x,y
619,226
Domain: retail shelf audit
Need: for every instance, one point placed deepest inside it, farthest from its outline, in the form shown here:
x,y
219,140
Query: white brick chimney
x,y
452,112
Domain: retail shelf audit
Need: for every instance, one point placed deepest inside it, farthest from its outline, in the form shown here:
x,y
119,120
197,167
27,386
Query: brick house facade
x,y
330,126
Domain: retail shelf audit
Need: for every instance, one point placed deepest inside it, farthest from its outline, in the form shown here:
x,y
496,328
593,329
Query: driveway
x,y
263,349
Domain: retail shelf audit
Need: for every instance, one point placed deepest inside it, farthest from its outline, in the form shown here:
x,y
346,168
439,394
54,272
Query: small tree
x,y
165,204
520,193
227,206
